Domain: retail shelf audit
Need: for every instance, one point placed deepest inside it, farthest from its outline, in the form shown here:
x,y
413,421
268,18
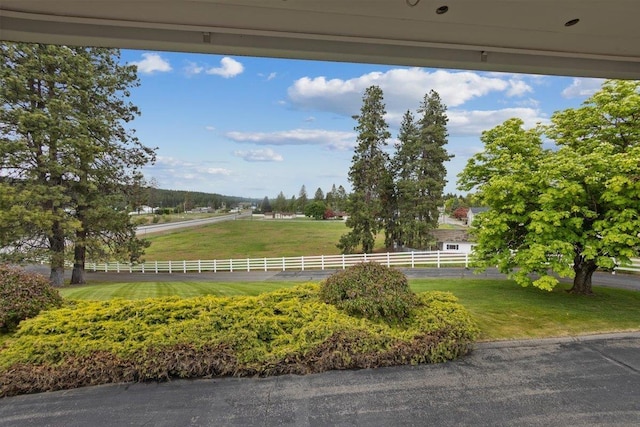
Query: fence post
x,y
302,262
388,260
142,267
365,257
466,260
184,266
170,267
130,268
118,266
248,265
215,266
322,262
199,267
413,260
231,265
265,263
438,259
284,267
156,267
343,266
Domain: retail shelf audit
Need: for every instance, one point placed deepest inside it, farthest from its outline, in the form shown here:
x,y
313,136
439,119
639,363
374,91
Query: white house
x,y
473,212
453,240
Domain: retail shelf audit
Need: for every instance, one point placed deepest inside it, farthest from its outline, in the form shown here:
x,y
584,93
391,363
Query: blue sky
x,y
253,127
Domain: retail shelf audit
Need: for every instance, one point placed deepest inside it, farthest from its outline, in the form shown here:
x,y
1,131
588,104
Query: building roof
x,y
454,235
596,38
477,210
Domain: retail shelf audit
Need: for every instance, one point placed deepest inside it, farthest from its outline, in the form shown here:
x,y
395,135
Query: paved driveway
x,y
563,382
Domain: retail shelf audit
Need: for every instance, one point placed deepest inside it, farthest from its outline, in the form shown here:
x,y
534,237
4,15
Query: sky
x,y
255,127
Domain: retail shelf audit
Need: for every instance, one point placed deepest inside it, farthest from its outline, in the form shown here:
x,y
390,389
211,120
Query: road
x,y
587,381
156,228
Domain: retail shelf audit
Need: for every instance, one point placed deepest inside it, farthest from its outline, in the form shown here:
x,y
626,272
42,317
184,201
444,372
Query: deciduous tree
x,y
569,210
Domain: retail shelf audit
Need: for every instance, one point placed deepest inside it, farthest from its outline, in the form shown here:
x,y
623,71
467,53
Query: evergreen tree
x,y
420,172
319,195
266,205
280,204
368,174
340,199
302,199
66,152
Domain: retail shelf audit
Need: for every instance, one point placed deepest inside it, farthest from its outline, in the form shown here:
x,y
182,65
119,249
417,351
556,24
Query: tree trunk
x,y
584,271
56,243
79,258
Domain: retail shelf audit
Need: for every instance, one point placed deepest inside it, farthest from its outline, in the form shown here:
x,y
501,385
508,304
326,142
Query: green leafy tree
x,y
570,210
420,172
315,209
368,174
65,149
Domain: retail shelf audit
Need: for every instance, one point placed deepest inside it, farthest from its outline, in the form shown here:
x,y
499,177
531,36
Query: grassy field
x,y
502,309
250,238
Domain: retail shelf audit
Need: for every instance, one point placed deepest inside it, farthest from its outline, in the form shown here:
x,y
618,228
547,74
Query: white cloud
x,y
474,122
229,67
582,87
337,140
518,87
192,69
261,155
269,76
310,119
151,63
171,168
210,128
403,88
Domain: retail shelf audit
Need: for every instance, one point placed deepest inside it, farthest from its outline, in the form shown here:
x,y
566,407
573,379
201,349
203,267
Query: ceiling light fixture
x,y
571,23
442,10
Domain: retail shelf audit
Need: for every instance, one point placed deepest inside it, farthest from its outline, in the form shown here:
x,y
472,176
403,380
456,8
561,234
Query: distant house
x,y
473,212
453,240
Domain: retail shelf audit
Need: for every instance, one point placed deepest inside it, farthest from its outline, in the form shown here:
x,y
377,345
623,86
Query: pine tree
x,y
368,174
66,152
319,195
420,172
302,199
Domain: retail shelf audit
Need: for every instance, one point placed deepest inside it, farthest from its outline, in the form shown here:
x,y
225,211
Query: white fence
x,y
435,259
320,262
634,267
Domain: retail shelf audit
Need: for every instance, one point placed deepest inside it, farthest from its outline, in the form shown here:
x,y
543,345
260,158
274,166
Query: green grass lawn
x,y
251,238
248,239
502,309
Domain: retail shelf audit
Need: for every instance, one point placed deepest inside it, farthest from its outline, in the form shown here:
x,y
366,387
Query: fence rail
x,y
436,259
319,262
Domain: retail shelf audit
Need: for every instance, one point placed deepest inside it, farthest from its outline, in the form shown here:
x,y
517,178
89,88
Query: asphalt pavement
x,y
587,381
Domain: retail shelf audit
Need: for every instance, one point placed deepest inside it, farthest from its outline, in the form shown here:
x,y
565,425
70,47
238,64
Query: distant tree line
x,y
322,206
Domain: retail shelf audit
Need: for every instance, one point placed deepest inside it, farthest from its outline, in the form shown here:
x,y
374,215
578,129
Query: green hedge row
x,y
286,331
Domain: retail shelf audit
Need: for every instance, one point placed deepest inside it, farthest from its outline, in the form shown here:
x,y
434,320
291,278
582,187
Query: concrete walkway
x,y
585,381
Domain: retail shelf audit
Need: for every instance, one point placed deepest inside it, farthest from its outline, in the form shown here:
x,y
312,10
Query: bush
x,y
371,290
23,295
289,331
